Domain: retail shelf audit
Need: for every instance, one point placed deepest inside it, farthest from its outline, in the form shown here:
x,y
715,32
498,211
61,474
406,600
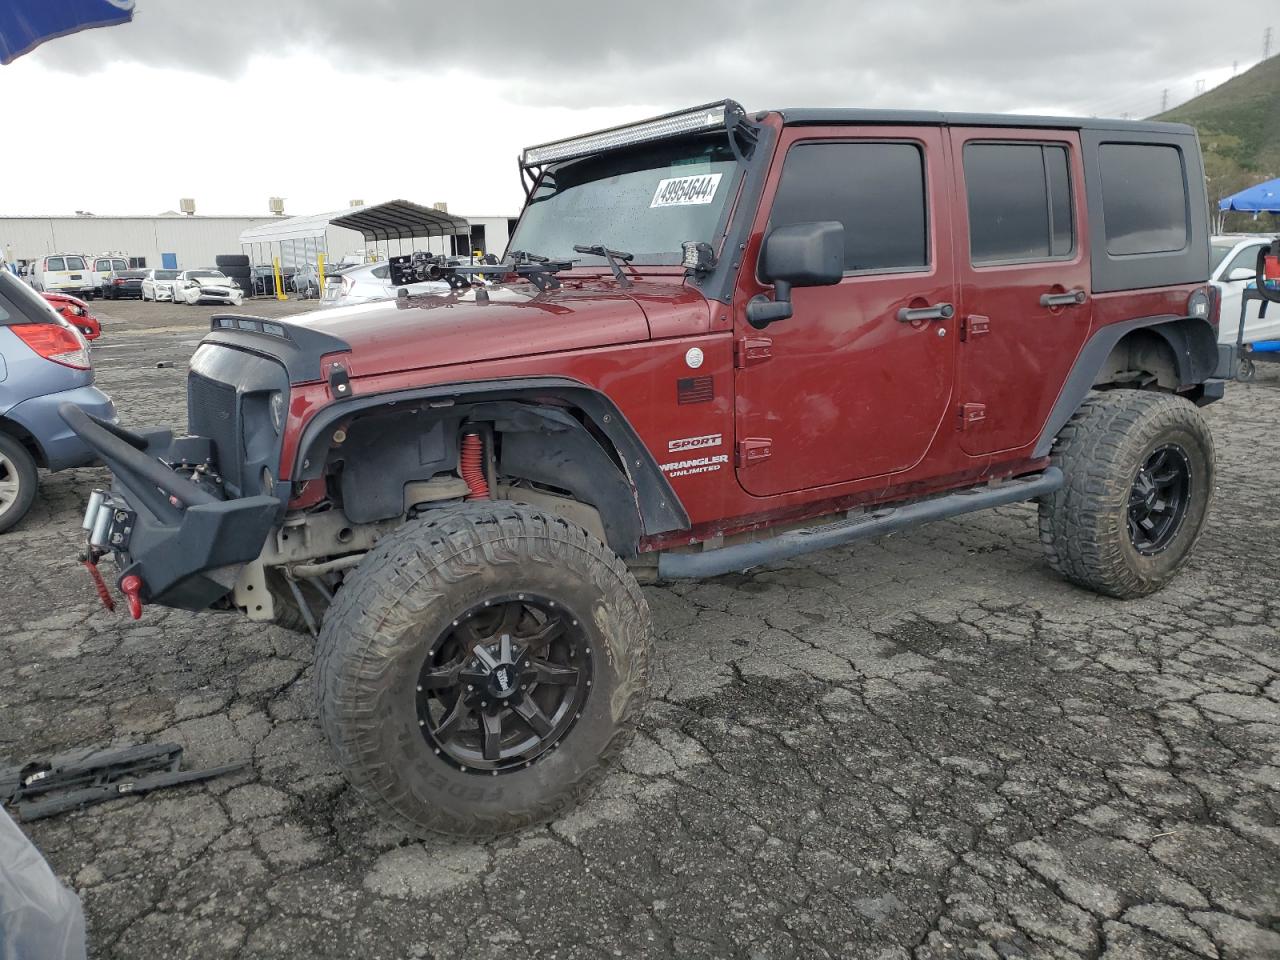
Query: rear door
x,y
843,390
1024,279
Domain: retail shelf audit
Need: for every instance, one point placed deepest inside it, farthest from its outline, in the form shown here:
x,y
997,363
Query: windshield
x,y
645,201
1218,252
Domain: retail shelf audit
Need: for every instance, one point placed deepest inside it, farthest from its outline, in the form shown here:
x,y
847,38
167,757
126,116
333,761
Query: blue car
x,y
44,362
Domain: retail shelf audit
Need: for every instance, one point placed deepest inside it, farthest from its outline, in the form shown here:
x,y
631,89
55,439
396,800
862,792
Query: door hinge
x,y
972,414
751,350
974,325
754,450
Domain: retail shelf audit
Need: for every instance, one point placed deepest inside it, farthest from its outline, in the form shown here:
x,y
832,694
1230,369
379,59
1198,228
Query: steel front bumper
x,y
183,543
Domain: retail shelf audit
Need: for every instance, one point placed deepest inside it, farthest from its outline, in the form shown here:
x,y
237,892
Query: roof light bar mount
x,y
727,115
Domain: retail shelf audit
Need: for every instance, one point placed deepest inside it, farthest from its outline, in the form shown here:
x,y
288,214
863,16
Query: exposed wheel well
x,y
397,459
1172,356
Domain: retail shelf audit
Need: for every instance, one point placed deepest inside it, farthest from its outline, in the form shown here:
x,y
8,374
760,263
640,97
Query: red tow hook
x,y
99,584
131,586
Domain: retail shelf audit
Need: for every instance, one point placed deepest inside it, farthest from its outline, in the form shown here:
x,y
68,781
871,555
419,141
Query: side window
x,y
75,263
382,273
1144,198
875,189
55,263
1019,202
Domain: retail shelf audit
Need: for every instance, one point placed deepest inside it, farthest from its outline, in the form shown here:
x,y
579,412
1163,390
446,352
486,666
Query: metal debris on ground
x,y
79,778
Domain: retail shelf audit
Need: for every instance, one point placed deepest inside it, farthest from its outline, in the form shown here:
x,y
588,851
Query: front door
x,y
849,387
1024,279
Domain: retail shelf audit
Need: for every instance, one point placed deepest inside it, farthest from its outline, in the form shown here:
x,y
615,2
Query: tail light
x,y
1215,306
56,342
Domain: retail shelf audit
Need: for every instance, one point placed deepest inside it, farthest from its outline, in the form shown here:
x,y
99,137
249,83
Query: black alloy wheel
x,y
1158,499
504,684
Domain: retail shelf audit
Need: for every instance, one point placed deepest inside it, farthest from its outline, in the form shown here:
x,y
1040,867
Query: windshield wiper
x,y
613,256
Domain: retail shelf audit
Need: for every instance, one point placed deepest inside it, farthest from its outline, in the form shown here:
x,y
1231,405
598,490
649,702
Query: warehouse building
x,y
174,240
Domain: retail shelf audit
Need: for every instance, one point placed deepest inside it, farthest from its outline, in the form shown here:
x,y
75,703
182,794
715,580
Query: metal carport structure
x,y
300,242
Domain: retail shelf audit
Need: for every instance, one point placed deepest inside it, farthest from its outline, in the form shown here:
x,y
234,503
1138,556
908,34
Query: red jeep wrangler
x,y
720,340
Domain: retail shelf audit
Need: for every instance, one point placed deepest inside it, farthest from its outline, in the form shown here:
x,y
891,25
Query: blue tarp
x,y
25,24
1260,198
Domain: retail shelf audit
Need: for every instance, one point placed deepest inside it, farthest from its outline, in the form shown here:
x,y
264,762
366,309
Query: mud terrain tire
x,y
1106,452
401,608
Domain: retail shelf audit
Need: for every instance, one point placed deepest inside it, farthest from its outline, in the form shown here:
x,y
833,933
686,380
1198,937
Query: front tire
x,y
1139,472
480,670
18,481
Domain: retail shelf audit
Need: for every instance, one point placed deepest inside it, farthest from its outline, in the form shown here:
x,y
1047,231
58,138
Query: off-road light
x,y
698,256
711,116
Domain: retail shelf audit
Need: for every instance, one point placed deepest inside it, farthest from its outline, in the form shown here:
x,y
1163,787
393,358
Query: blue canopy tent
x,y
1260,198
25,24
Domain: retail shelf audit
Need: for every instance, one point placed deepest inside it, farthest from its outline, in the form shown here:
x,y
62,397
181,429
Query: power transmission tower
x,y
1266,43
1164,100
1199,87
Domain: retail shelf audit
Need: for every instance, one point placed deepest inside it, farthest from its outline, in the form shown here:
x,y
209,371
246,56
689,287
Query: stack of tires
x,y
236,266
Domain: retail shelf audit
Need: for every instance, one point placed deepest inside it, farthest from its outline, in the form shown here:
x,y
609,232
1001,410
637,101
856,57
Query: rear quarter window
x,y
1144,198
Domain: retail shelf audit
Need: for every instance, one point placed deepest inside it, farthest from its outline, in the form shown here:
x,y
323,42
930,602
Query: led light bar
x,y
710,116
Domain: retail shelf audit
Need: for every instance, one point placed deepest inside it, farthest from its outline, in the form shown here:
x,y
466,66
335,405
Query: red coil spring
x,y
472,466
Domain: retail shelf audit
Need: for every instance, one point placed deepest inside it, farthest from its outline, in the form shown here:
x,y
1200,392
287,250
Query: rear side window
x,y
1019,202
1144,198
75,263
875,189
382,273
55,263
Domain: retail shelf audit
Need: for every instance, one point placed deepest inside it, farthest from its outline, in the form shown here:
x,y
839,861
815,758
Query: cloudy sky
x,y
324,101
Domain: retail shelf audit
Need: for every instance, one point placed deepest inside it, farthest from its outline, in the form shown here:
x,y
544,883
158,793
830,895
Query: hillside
x,y
1239,125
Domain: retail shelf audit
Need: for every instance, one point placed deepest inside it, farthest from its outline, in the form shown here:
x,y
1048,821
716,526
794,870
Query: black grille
x,y
211,412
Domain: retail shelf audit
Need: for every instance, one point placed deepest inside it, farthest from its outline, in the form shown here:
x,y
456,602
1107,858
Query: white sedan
x,y
157,285
1234,261
369,282
207,286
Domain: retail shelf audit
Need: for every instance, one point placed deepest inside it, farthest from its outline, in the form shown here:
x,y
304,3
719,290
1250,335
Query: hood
x,y
439,330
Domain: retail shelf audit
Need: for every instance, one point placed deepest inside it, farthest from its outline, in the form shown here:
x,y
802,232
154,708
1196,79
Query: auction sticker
x,y
686,191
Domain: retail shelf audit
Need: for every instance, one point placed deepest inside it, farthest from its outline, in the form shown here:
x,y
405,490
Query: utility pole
x,y
1164,100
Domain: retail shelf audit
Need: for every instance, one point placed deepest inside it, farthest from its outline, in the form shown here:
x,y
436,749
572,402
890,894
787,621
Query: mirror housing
x,y
797,255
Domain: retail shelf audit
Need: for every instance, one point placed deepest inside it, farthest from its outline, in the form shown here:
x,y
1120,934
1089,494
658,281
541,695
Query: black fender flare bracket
x,y
1192,340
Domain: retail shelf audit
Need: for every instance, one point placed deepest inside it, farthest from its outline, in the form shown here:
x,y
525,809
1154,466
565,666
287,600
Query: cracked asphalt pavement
x,y
925,747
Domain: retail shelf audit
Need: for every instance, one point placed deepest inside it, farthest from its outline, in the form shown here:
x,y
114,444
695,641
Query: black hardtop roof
x,y
834,116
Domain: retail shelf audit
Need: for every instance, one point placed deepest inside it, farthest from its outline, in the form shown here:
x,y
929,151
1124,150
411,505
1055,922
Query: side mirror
x,y
1240,273
797,255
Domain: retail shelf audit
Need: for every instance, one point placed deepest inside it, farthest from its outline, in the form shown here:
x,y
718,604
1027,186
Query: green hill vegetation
x,y
1239,126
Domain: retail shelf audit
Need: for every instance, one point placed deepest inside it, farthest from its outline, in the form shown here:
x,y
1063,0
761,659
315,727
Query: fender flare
x,y
658,508
1192,340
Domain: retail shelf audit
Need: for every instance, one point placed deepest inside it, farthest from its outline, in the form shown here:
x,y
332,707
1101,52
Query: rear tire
x,y
422,609
18,481
1139,472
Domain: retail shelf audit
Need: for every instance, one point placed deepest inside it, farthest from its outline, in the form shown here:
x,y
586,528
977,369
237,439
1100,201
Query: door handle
x,y
1069,299
941,311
